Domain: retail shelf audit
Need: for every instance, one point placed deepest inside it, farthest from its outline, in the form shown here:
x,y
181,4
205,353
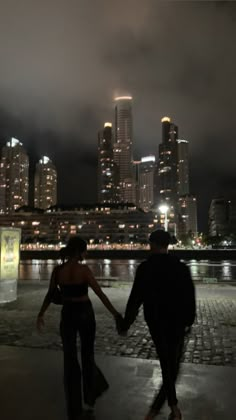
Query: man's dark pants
x,y
169,344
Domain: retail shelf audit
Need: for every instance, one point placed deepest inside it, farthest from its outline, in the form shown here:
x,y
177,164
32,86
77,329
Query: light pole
x,y
164,209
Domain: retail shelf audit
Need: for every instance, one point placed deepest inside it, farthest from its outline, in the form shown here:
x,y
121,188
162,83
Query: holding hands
x,y
120,325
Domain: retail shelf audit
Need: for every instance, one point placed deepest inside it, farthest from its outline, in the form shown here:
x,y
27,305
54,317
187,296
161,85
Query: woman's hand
x,y
40,323
120,324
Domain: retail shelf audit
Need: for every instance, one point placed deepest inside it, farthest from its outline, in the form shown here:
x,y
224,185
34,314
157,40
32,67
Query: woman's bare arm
x,y
98,291
48,298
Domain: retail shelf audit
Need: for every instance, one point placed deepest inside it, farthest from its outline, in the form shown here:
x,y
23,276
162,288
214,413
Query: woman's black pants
x,y
78,318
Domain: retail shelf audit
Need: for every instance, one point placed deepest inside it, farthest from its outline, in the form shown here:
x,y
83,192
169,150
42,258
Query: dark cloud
x,y
62,61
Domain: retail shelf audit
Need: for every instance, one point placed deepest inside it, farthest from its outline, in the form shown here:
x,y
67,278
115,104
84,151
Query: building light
x,y
182,141
14,142
107,124
165,119
44,160
150,158
121,98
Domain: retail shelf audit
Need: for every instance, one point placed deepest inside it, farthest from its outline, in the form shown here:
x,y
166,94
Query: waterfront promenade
x,y
212,341
31,364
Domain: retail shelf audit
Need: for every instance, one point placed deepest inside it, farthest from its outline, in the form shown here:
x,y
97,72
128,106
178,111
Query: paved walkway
x,y
31,368
31,388
211,342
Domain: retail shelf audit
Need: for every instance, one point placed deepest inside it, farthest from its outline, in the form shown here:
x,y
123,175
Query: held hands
x,y
120,325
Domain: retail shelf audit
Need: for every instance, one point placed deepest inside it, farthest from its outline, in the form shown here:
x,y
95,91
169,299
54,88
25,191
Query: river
x,y
124,270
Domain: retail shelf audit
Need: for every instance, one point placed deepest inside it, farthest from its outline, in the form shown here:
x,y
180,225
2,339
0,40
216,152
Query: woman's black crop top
x,y
74,290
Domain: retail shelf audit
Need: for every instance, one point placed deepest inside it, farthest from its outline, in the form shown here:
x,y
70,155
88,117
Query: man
x,y
164,286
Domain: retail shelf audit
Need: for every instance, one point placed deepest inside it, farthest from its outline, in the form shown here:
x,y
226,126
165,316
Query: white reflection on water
x,y
40,270
226,269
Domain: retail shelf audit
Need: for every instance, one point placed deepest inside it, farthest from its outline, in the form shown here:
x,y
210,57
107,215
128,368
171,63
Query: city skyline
x,y
180,183
56,85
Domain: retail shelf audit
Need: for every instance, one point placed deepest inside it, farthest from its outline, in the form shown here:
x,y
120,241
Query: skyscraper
x,y
146,182
123,147
222,217
182,167
136,176
14,176
187,215
107,170
167,165
45,184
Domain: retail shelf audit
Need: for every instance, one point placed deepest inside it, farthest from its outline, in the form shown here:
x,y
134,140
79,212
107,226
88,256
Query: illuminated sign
x,y
10,253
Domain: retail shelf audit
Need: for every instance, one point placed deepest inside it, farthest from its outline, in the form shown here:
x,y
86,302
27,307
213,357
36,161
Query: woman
x,y
77,316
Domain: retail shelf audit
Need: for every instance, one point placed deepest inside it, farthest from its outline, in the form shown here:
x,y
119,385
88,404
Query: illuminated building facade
x,y
167,165
187,216
182,167
14,176
106,224
123,147
222,217
166,182
136,176
45,184
107,169
146,182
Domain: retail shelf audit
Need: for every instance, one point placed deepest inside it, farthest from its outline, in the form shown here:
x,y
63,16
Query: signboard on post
x,y
9,263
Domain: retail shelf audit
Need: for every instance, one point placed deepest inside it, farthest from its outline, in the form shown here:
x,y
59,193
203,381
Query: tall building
x,y
187,215
222,217
107,169
45,184
146,182
166,179
136,176
182,167
167,165
14,177
123,147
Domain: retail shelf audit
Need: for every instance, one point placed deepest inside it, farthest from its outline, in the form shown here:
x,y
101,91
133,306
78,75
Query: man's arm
x,y
189,296
135,298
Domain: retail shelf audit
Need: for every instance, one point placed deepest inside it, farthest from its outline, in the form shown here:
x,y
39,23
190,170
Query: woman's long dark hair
x,y
75,246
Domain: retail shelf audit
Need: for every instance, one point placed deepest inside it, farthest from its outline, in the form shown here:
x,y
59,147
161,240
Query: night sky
x,y
63,61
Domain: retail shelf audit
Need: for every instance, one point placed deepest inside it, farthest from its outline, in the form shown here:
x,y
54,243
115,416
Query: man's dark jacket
x,y
164,286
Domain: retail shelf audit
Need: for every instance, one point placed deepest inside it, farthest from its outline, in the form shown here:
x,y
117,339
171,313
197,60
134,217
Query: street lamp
x,y
164,209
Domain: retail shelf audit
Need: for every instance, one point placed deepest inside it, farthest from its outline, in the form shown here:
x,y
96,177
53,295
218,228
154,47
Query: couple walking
x,y
163,286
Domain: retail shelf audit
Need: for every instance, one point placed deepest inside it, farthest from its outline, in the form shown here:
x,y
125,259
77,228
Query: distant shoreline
x,y
183,254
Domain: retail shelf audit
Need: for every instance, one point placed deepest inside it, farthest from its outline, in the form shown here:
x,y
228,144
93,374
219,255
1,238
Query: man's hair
x,y
160,238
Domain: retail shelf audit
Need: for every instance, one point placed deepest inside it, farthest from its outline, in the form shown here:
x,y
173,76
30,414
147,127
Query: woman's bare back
x,y
73,273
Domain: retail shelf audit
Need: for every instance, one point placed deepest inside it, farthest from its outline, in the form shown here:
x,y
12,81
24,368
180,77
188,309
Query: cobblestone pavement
x,y
212,340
